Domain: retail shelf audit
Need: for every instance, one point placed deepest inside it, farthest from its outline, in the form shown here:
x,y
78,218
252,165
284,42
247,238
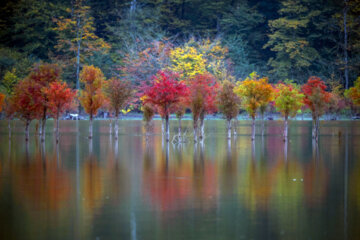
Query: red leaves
x,y
2,98
202,98
60,98
164,92
316,97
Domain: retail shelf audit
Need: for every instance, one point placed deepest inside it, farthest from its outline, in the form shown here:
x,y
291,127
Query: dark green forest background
x,y
281,39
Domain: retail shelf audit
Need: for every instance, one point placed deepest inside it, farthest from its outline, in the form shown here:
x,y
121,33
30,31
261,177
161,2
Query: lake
x,y
218,189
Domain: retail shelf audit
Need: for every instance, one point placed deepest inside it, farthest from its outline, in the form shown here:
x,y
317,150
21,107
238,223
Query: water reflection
x,y
130,188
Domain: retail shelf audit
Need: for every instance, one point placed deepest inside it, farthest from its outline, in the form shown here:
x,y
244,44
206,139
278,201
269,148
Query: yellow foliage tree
x,y
92,97
255,92
354,93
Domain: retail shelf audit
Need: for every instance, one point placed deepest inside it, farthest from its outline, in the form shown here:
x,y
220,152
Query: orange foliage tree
x,y
60,99
354,93
92,97
254,92
42,75
202,100
164,93
228,103
316,99
119,94
25,103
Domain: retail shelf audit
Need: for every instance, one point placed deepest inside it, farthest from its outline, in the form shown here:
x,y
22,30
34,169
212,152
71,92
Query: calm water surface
x,y
131,189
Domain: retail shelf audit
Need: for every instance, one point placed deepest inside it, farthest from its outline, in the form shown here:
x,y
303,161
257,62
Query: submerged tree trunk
x,y
253,129
235,126
163,125
167,128
179,129
195,123
110,127
317,127
117,126
229,129
27,123
91,127
202,130
314,128
286,128
38,127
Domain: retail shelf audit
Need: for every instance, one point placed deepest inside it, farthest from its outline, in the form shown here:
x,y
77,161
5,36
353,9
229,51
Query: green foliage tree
x,y
288,39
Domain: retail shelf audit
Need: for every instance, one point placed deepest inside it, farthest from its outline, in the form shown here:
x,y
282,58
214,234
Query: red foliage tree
x,y
164,92
202,100
2,98
42,75
316,99
60,99
26,102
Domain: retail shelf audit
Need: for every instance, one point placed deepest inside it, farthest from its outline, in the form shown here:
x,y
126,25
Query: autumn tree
x,y
337,101
228,103
7,88
119,94
288,101
201,100
42,75
253,92
316,99
354,93
25,102
76,35
164,92
60,99
92,97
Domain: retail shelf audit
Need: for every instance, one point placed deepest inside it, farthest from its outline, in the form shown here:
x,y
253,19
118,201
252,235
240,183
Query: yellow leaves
x,y
354,93
255,92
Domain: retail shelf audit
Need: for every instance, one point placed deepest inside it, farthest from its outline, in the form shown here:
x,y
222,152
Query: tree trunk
x,y
147,128
286,129
78,52
167,128
163,125
346,67
117,126
314,128
110,127
27,123
43,123
202,131
235,126
39,128
195,123
179,129
91,127
317,127
253,129
229,129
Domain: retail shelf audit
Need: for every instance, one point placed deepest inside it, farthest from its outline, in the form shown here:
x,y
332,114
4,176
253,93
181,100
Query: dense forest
x,y
282,39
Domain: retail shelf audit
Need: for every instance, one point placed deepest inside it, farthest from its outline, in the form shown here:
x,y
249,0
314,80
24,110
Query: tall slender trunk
x,y
117,126
27,123
346,60
286,128
195,123
110,126
202,130
163,125
167,128
314,127
179,129
229,128
253,129
91,127
78,22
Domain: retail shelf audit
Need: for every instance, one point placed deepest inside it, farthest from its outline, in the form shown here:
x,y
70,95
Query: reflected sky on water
x,y
218,189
